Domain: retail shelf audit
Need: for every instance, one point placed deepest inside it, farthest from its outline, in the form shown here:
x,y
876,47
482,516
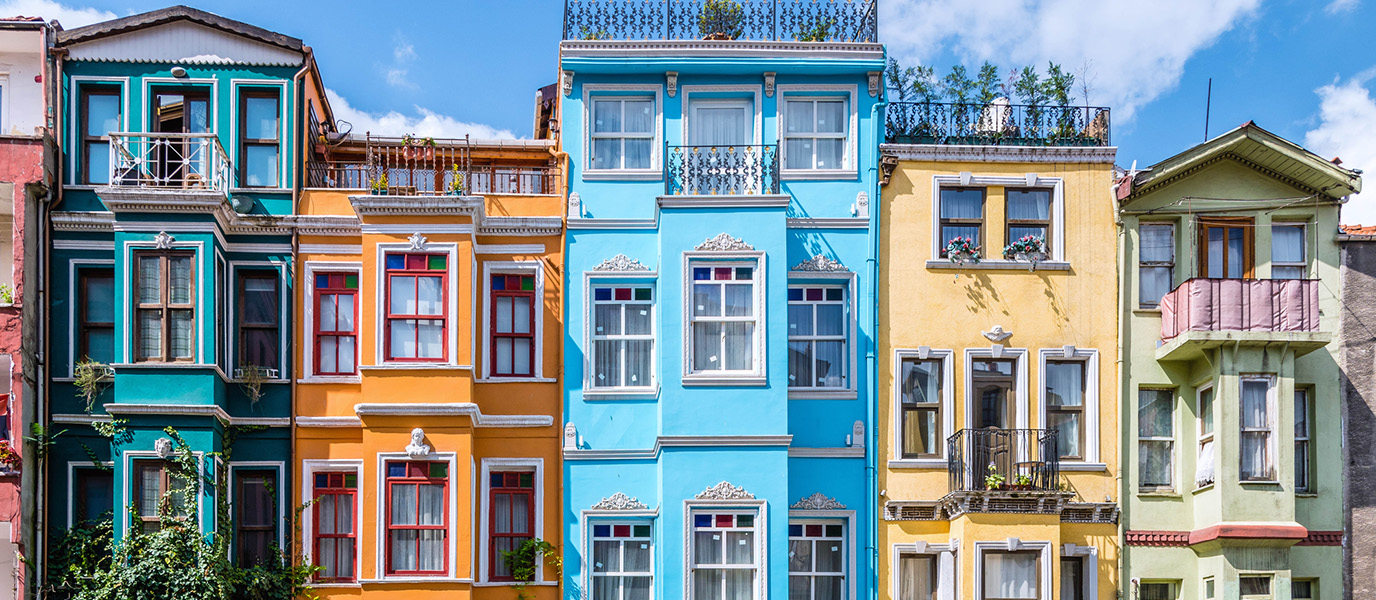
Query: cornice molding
x,y
415,205
450,409
1000,154
745,49
1153,185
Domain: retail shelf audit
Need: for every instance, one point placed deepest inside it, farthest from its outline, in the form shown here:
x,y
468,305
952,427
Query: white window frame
x,y
750,106
758,374
1313,587
1089,556
1090,358
847,282
1174,459
380,545
761,566
530,465
1020,360
1271,585
314,267
591,336
947,566
1303,263
308,470
598,516
1174,584
199,280
1306,436
994,256
593,92
1205,438
1272,433
848,93
1142,304
845,518
451,250
622,135
279,468
948,406
522,267
589,555
1047,553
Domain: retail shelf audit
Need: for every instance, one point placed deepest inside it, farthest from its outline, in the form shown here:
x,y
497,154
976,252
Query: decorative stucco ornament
x,y
769,84
163,241
418,241
997,334
874,77
568,82
619,501
570,436
820,263
724,243
163,447
621,262
417,448
818,502
724,491
671,82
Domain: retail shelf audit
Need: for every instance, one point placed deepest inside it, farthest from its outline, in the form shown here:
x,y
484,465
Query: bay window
x,y
816,561
815,134
513,325
417,518
335,538
511,515
722,558
259,314
165,313
921,391
621,568
622,133
1065,406
1155,439
622,336
159,491
817,356
259,138
336,323
255,528
1303,447
416,307
1257,424
96,328
724,318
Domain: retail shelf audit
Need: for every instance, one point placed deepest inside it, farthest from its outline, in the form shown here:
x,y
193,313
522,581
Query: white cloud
x,y
399,78
424,122
1347,130
70,17
1341,6
404,52
1138,49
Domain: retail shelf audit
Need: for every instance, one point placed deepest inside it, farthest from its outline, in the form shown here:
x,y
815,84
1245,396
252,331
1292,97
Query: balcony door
x,y
176,160
1226,248
721,159
993,384
720,123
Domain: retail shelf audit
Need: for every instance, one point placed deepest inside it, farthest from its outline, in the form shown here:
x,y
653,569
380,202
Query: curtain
x,y
326,558
606,363
606,153
639,116
1255,417
707,584
345,512
520,314
1029,204
520,513
740,584
1070,579
606,556
503,351
962,204
800,364
346,354
179,270
1287,243
431,504
707,346
800,556
1215,252
1157,243
920,431
915,578
150,333
707,548
432,550
831,117
606,115
150,290
1155,284
831,369
1065,383
921,381
945,576
520,355
1010,575
800,116
1204,469
182,325
403,543
404,504
719,126
798,152
637,557
739,345
504,314
345,553
738,300
431,337
638,354
740,548
827,587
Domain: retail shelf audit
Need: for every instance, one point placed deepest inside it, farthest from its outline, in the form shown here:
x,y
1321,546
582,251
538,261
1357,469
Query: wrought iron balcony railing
x,y
759,20
1267,305
721,170
996,123
511,180
346,175
182,161
1003,459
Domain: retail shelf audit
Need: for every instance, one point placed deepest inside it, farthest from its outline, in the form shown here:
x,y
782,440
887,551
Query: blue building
x,y
719,364
169,277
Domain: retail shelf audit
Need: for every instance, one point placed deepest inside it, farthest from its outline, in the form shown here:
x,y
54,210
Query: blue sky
x,y
1303,69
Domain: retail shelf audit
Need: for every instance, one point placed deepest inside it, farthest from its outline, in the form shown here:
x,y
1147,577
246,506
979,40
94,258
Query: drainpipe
x,y
871,365
297,184
39,551
1124,395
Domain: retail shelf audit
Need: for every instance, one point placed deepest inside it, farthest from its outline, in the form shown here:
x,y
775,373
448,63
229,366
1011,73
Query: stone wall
x,y
1358,388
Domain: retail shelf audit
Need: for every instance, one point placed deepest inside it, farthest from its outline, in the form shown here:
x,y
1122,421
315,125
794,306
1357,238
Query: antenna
x,y
1208,103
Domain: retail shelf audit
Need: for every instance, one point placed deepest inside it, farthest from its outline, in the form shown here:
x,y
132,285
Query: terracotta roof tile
x,y
1359,229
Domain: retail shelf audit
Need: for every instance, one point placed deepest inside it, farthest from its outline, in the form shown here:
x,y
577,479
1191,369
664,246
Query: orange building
x,y
427,389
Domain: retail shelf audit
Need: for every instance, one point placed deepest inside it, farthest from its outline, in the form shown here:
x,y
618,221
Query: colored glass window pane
x,y
621,531
814,294
642,293
351,282
702,520
795,294
396,261
702,274
623,293
528,284
745,521
723,520
642,531
437,262
744,273
834,294
602,294
601,530
322,281
795,530
396,469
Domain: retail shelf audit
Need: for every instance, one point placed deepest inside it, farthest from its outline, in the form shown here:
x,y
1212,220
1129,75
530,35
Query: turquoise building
x,y
719,358
169,276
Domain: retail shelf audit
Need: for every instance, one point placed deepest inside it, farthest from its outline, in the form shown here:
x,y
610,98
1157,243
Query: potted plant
x,y
994,480
417,148
962,250
9,459
819,31
456,181
1022,482
721,20
1031,248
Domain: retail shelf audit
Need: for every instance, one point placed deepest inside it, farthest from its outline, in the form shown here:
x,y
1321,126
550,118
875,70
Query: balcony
x,y
1203,313
1000,460
995,124
754,20
144,165
411,166
722,170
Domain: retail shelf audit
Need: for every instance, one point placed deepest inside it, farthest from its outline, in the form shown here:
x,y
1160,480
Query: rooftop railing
x,y
995,459
1266,305
758,20
170,161
997,123
413,166
749,170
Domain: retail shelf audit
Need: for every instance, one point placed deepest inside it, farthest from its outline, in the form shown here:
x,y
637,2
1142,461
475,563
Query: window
x,y
815,134
1254,587
255,517
512,518
723,561
1011,575
159,491
94,495
336,500
336,323
922,394
166,311
917,578
621,568
513,325
1155,262
993,385
258,143
817,356
1304,589
1155,438
1204,417
1155,591
623,133
962,215
816,561
417,529
1208,588
724,318
1072,579
1029,213
1287,251
1256,431
1065,406
1303,455
1227,245
96,329
101,114
258,319
623,337
416,307
720,123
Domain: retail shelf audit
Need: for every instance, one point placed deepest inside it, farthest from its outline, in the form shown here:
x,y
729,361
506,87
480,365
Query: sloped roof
x,y
170,15
1359,229
1261,150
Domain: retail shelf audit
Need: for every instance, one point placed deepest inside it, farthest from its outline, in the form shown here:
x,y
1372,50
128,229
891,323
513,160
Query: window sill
x,y
918,463
1147,312
998,265
321,380
416,579
259,190
414,367
1275,484
1158,494
821,394
1306,494
342,584
811,174
649,393
725,380
623,175
1202,488
512,583
1081,466
516,380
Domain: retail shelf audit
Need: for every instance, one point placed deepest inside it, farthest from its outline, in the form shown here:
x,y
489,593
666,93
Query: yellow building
x,y
998,450
427,394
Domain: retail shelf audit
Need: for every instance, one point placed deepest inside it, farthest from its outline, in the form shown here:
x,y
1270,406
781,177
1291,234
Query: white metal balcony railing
x,y
181,161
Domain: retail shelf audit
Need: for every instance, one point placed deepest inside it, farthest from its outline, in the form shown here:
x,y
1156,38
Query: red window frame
x,y
511,484
336,285
335,486
511,286
409,270
414,476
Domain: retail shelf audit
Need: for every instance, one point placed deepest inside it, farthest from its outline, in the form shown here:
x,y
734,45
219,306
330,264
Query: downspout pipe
x,y
39,549
871,348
